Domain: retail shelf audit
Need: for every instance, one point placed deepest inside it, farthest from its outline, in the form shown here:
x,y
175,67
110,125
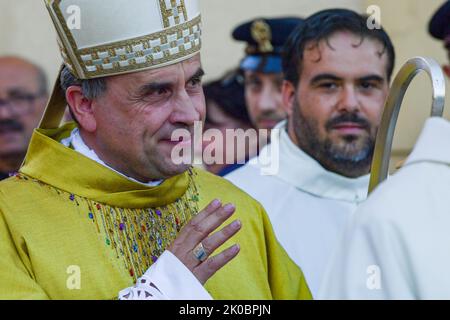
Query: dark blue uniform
x,y
439,26
265,39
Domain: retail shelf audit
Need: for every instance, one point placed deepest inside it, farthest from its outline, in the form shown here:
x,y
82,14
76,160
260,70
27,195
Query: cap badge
x,y
262,34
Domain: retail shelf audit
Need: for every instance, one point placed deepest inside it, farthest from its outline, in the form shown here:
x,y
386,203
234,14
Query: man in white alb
x,y
397,245
337,75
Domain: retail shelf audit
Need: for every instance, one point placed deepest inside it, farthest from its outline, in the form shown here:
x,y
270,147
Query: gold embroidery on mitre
x,y
87,69
262,34
177,11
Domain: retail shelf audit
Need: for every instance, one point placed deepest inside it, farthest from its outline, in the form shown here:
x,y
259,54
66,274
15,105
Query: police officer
x,y
262,67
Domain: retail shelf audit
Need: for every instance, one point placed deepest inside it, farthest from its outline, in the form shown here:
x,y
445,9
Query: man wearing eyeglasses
x,y
23,95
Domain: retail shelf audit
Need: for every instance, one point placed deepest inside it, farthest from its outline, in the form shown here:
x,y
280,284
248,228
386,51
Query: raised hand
x,y
195,242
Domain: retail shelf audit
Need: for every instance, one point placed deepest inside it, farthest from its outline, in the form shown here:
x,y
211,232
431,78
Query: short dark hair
x,y
229,95
91,88
322,25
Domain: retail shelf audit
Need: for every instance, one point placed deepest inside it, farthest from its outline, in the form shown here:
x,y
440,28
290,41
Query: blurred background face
x,y
22,102
264,99
339,101
136,116
219,120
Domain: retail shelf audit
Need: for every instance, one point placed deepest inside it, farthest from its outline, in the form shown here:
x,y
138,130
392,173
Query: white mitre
x,y
100,38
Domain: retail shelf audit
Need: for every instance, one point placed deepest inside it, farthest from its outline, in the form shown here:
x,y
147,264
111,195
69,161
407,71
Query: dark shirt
x,y
3,176
229,169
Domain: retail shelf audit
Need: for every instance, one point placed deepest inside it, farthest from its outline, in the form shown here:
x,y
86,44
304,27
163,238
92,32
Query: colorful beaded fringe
x,y
138,236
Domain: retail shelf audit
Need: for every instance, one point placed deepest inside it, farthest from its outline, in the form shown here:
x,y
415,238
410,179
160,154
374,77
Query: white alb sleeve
x,y
167,279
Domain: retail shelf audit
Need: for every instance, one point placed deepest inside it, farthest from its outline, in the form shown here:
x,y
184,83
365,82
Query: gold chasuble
x,y
71,228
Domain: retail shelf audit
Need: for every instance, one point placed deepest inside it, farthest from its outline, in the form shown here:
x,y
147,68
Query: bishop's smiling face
x,y
131,124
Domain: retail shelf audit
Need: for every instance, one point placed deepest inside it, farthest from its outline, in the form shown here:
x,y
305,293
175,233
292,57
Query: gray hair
x,y
42,80
91,88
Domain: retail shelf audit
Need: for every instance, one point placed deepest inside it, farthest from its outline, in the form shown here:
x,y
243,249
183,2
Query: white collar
x,y
302,171
433,144
76,141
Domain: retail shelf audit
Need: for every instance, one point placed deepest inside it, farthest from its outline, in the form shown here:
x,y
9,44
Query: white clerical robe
x,y
308,206
397,245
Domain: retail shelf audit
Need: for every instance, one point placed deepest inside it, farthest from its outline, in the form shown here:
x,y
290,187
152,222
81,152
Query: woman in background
x,y
226,109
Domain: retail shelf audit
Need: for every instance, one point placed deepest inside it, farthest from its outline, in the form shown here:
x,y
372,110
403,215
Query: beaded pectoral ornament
x,y
138,236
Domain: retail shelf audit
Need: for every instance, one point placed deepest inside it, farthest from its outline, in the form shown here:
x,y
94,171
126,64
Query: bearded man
x,y
337,74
